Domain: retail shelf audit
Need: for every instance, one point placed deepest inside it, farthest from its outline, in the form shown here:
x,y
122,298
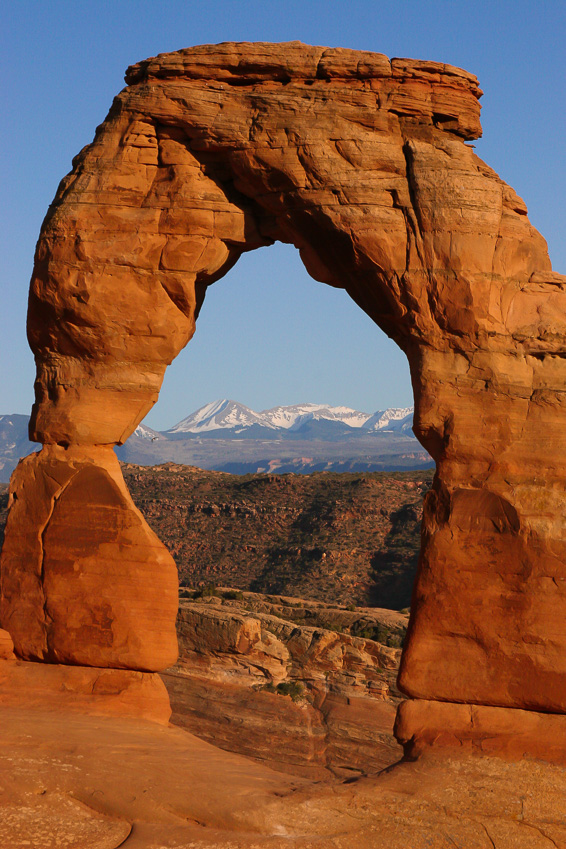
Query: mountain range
x,y
228,436
228,415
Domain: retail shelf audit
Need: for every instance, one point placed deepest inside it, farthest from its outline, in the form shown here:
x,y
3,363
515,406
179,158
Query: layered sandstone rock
x,y
363,164
49,687
84,579
481,730
305,700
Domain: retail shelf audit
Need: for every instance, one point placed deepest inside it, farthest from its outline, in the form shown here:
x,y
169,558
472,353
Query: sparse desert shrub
x,y
290,688
380,634
294,689
369,633
233,595
397,639
206,591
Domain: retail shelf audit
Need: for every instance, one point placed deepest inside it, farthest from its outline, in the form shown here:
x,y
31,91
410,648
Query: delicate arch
x,y
362,163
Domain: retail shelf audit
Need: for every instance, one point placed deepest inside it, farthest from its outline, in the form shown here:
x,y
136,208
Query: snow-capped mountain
x,y
227,415
230,437
220,415
392,419
293,417
145,432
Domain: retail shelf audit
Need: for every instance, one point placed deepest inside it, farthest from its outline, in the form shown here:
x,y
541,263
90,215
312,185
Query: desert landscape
x,y
314,717
342,538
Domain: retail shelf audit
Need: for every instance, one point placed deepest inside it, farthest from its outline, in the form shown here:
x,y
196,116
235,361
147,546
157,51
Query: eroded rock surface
x,y
304,698
71,776
363,164
84,579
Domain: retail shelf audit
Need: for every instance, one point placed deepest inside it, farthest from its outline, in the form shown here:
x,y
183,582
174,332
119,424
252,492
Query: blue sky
x,y
268,334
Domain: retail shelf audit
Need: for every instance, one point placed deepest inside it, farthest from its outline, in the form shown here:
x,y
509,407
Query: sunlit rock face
x,y
364,164
84,579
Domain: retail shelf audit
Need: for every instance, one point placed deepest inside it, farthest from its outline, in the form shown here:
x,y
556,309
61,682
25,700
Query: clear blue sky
x,y
268,334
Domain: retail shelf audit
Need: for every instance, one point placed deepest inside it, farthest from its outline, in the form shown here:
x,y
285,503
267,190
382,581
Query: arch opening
x,y
268,334
303,342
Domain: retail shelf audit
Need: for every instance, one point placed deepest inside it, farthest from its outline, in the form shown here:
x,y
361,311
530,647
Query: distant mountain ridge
x,y
228,436
227,415
14,443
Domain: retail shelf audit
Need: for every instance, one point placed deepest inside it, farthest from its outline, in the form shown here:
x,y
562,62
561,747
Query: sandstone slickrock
x,y
81,569
83,689
70,771
303,699
364,165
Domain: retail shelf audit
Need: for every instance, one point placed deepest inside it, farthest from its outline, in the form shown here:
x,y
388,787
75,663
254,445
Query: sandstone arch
x,y
363,164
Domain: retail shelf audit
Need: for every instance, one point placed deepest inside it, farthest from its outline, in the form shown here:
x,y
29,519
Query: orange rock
x,y
481,730
84,689
6,646
84,579
172,789
223,688
188,171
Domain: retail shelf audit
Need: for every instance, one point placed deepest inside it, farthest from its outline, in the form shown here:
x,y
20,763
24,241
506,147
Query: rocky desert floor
x,y
248,763
70,781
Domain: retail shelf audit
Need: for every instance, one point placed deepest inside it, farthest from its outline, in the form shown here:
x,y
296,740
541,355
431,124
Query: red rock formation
x,y
49,688
236,665
84,579
364,165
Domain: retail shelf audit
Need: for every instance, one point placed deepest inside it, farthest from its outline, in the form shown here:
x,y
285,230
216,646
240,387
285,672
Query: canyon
x,y
288,683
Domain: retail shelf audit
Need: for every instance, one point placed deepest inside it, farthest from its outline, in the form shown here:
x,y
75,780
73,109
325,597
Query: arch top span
x,y
453,96
363,164
359,161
